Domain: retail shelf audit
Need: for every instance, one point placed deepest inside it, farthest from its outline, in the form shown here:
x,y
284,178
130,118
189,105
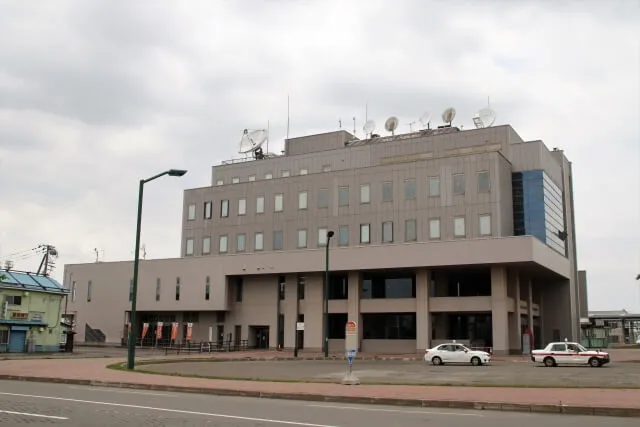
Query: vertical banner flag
x,y
189,330
145,328
174,331
159,331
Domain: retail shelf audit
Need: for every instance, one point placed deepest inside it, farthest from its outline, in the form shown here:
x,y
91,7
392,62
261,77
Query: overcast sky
x,y
95,95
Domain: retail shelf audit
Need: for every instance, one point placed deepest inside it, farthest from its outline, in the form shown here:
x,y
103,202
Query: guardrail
x,y
207,347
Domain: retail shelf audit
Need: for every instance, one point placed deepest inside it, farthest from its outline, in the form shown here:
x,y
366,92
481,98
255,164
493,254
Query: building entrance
x,y
259,337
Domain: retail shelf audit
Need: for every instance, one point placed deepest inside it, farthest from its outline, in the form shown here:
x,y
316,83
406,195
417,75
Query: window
x,y
207,289
17,299
260,204
242,206
191,214
458,184
89,289
389,326
302,238
365,193
73,291
434,228
302,200
278,202
484,185
206,245
339,286
241,244
189,248
220,182
239,289
323,198
434,186
343,196
343,235
130,290
208,208
158,289
281,287
4,337
387,191
410,189
224,208
388,284
410,230
303,171
177,289
337,323
258,244
459,229
387,232
364,233
322,236
235,180
268,175
485,225
326,168
301,287
277,240
284,174
252,178
224,244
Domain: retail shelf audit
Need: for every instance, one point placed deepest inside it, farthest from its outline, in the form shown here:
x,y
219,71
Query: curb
x,y
450,404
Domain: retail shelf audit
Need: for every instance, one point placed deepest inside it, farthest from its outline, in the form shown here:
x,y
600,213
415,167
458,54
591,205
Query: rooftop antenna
x,y
368,128
97,254
268,129
425,120
484,117
144,251
251,142
448,115
366,111
288,116
391,124
339,123
354,126
411,125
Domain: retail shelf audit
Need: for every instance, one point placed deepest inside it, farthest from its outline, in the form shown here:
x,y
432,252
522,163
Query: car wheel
x,y
475,361
436,361
594,362
549,362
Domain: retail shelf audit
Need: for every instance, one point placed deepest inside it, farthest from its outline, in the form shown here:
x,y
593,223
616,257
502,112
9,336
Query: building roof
x,y
29,282
612,314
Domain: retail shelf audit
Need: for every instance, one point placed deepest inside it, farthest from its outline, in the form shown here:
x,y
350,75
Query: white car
x,y
569,353
455,353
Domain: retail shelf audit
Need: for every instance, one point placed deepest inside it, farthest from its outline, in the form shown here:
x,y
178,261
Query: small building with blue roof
x,y
30,312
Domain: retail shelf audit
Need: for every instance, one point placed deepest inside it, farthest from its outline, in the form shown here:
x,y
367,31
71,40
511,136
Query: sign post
x,y
351,349
299,327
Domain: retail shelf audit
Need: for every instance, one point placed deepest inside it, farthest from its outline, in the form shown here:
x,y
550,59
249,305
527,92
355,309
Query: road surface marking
x,y
144,393
177,411
53,417
396,410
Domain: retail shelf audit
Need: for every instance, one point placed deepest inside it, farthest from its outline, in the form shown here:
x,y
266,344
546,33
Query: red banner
x,y
145,328
189,331
159,331
174,331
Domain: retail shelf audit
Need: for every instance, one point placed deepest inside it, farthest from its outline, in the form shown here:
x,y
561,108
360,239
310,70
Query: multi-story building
x,y
439,234
30,312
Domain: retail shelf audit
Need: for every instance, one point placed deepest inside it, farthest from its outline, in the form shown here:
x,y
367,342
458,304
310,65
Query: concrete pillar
x,y
353,304
423,317
530,305
515,325
289,307
499,310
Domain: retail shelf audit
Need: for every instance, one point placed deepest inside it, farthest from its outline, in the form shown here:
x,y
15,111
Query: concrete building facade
x,y
439,234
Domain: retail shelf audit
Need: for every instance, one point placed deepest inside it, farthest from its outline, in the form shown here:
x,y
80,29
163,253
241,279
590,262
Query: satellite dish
x,y
391,124
369,127
425,119
251,140
484,118
448,115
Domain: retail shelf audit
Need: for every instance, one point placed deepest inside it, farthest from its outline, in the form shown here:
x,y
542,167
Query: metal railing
x,y
206,347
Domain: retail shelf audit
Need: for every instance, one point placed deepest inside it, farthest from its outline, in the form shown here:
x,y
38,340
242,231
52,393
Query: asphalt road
x,y
616,375
27,403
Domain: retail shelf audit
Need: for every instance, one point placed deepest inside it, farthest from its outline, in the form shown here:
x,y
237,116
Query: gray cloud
x,y
97,95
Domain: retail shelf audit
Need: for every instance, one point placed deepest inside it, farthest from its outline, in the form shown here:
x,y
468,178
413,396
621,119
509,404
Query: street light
x,y
325,313
131,344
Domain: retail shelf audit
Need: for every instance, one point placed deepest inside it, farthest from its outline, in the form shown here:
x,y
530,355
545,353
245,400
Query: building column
x,y
289,307
499,310
515,324
423,317
530,307
353,303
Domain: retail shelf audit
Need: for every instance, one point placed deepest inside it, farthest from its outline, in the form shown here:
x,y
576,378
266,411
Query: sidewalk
x,y
609,402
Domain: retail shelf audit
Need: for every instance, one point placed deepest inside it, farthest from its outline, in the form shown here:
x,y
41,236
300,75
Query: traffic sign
x,y
351,354
300,326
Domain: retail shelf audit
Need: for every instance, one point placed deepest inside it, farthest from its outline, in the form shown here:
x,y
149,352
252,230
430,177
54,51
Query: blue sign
x,y
351,354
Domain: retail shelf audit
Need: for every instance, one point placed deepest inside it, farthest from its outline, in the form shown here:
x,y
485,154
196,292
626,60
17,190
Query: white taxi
x,y
455,353
569,353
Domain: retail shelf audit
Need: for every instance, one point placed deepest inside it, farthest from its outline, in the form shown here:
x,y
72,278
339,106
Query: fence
x,y
206,347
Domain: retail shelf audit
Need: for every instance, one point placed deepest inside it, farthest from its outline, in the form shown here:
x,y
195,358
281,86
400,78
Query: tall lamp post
x,y
131,343
325,313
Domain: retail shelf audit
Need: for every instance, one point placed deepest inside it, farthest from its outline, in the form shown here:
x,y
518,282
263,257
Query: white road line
x,y
53,417
177,411
401,411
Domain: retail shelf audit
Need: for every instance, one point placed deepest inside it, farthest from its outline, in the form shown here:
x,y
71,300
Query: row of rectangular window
x,y
410,235
269,175
410,193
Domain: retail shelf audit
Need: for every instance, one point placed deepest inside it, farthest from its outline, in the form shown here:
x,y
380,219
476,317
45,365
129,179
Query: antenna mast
x,y
354,126
288,116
